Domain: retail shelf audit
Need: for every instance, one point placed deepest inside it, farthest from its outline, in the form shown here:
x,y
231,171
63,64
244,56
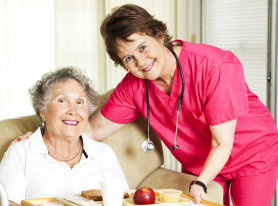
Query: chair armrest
x,y
162,178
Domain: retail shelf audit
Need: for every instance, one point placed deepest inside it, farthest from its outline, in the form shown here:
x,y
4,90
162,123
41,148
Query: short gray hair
x,y
40,93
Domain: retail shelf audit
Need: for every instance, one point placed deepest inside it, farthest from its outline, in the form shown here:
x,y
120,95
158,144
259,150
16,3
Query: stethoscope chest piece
x,y
147,146
175,147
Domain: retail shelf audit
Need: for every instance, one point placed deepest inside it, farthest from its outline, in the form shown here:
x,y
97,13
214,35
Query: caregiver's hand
x,y
197,192
19,138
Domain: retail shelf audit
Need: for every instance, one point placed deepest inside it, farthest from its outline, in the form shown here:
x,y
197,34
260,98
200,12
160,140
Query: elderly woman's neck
x,y
62,142
63,149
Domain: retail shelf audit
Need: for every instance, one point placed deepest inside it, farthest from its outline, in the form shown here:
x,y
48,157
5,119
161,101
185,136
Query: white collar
x,y
37,144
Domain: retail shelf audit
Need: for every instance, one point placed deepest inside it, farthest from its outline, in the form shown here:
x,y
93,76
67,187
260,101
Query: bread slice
x,y
92,195
96,195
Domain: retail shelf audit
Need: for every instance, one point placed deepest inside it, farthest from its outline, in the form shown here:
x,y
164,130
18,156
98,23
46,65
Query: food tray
x,y
42,202
53,202
183,201
126,202
186,199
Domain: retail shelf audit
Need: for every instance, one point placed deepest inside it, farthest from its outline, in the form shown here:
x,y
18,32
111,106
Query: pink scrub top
x,y
215,92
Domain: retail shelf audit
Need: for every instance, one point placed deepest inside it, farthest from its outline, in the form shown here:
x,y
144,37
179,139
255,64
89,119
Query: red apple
x,y
144,196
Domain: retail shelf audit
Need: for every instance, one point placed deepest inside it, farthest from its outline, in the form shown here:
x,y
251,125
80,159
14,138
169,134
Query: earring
x,y
43,124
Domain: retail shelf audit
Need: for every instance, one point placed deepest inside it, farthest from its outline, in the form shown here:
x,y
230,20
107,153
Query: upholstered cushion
x,y
12,128
127,143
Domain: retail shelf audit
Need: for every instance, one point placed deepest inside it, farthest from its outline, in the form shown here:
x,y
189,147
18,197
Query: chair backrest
x,y
12,128
126,143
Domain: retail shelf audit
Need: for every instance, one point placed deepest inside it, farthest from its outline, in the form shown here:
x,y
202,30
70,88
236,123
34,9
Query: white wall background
x,y
26,51
37,36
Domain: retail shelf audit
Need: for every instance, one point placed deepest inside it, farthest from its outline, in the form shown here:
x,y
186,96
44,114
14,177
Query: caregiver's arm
x,y
221,147
22,137
99,127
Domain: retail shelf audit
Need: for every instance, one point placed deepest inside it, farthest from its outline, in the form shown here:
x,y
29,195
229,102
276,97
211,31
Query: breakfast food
x,y
92,195
96,195
170,195
144,196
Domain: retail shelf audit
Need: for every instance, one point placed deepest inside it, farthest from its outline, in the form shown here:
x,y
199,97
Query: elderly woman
x,y
58,158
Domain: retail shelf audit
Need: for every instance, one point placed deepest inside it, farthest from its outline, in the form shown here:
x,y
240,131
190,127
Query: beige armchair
x,y
141,169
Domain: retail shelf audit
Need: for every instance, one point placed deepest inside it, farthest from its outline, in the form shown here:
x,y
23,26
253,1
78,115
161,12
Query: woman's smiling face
x,y
142,55
67,111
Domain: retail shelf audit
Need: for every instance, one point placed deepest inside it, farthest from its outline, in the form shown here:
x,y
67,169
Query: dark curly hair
x,y
127,20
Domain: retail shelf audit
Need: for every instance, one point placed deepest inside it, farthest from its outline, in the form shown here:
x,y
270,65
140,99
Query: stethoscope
x,y
148,145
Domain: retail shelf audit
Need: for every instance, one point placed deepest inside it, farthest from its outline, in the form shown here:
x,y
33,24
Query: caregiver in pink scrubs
x,y
225,133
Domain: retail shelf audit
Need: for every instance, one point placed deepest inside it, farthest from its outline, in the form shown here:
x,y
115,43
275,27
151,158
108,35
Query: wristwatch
x,y
198,183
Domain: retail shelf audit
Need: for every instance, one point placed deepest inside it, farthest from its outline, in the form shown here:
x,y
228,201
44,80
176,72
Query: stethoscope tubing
x,y
182,80
178,105
148,109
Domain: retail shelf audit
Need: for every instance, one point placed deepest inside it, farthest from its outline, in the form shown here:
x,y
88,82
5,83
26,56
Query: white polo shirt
x,y
27,171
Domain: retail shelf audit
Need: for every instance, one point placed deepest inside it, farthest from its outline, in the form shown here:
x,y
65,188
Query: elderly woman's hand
x,y
198,193
19,138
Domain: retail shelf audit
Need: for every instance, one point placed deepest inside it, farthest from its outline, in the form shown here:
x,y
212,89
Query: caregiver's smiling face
x,y
143,55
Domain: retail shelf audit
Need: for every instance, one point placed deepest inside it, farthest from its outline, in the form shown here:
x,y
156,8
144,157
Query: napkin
x,y
75,200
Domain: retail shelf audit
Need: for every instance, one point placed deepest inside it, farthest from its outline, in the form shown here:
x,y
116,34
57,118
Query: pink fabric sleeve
x,y
226,92
120,107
